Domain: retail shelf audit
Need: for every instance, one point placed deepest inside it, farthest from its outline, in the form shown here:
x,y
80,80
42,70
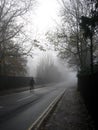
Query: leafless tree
x,y
11,43
69,38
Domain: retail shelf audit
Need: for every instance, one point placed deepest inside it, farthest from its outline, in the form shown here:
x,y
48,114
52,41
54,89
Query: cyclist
x,y
32,82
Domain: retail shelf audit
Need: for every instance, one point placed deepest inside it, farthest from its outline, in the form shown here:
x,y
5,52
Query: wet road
x,y
19,110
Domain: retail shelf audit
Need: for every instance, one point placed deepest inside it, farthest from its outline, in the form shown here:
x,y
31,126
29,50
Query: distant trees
x,y
47,71
12,61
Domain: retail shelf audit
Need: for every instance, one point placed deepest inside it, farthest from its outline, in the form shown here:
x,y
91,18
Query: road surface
x,y
19,110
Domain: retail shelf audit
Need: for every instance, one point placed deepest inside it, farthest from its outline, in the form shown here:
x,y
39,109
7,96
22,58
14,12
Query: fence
x,y
10,82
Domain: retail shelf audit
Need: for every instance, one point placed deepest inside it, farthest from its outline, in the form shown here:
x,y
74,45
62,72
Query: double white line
x,y
44,115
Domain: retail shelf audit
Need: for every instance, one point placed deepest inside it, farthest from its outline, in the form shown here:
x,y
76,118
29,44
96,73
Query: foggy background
x,y
44,18
65,73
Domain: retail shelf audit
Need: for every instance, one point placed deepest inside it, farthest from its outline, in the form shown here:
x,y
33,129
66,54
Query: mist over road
x,y
19,110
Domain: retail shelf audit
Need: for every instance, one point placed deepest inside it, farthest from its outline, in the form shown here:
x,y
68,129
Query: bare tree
x,y
11,47
69,38
89,24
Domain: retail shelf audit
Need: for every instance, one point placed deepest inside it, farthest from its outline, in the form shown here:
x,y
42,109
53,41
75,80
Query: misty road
x,y
19,110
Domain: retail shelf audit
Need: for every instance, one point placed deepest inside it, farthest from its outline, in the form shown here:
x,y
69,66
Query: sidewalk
x,y
21,89
17,90
10,91
70,114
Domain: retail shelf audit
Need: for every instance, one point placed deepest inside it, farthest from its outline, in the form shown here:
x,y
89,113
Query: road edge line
x,y
44,115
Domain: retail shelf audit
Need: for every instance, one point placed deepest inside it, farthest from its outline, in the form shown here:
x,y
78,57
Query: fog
x,y
45,18
49,68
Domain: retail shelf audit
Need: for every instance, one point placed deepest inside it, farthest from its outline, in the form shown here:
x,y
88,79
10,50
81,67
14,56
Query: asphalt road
x,y
19,110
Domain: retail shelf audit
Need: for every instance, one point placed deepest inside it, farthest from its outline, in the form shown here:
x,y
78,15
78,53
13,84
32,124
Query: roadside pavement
x,y
17,90
70,114
10,91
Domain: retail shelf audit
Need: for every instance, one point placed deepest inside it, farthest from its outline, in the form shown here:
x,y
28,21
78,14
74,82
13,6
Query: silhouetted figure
x,y
32,82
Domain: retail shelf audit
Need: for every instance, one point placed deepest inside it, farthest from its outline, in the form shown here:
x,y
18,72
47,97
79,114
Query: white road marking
x,y
46,112
24,98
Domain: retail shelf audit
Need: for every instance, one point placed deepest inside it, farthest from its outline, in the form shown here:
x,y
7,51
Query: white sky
x,y
46,12
43,18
